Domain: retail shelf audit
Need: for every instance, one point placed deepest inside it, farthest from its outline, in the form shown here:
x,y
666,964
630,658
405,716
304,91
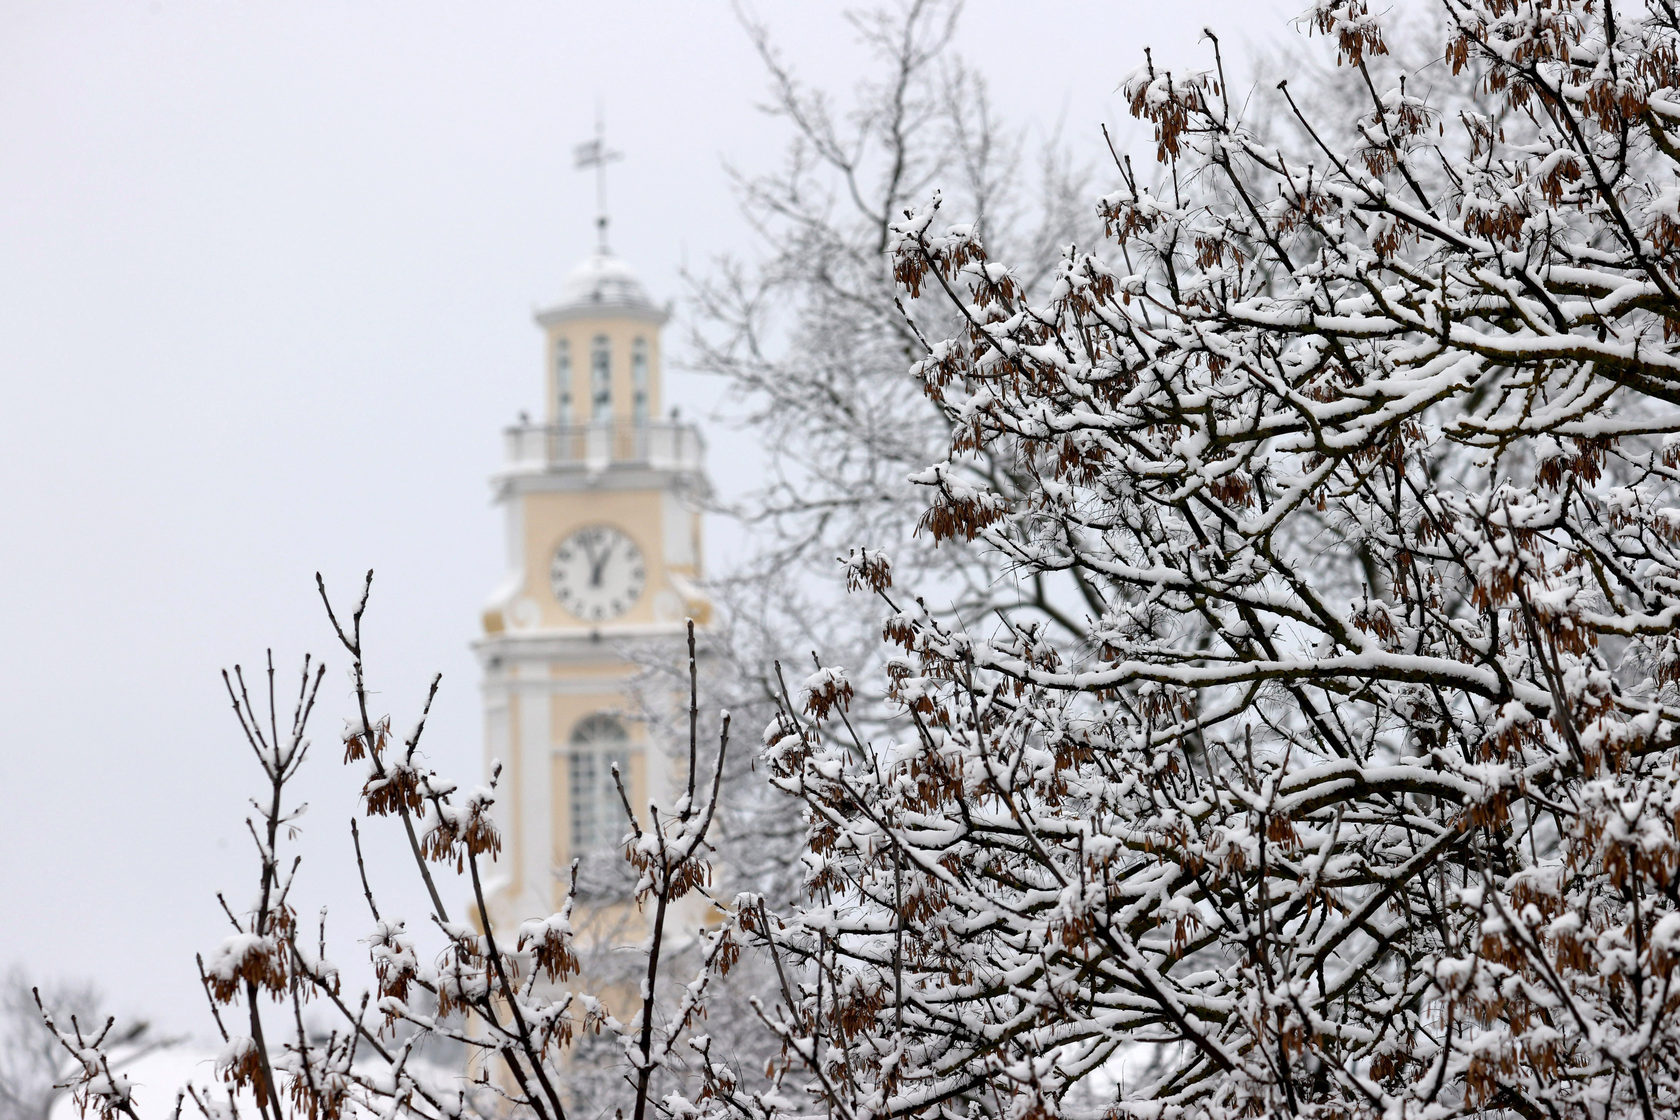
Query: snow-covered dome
x,y
602,284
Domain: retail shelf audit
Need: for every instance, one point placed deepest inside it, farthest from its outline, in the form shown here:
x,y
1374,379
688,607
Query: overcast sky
x,y
267,274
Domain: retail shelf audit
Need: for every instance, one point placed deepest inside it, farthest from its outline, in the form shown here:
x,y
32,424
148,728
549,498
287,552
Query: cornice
x,y
605,310
548,479
571,645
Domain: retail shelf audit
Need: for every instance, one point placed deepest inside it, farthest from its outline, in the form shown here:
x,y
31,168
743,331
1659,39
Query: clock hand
x,y
599,565
587,544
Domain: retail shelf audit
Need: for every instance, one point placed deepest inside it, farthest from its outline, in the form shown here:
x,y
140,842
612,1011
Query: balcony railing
x,y
660,445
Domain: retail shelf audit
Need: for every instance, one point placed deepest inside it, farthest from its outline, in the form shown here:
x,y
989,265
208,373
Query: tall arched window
x,y
563,381
599,742
639,380
600,378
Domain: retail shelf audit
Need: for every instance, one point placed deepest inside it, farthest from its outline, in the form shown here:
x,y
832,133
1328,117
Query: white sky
x,y
267,275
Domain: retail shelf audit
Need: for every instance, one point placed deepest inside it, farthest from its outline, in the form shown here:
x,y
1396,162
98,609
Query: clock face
x,y
597,573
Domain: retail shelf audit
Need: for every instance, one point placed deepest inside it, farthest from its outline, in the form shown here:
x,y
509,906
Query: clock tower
x,y
603,551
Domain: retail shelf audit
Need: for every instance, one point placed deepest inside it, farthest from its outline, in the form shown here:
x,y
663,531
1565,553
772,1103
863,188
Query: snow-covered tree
x,y
1354,469
33,1066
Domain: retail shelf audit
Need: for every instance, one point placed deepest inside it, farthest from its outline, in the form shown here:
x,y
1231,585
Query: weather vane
x,y
595,153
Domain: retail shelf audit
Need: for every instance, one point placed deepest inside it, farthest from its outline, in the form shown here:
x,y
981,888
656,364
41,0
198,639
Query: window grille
x,y
639,380
598,743
600,379
563,381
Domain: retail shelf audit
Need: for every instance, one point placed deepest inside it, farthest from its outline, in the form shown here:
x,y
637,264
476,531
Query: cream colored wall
x,y
621,333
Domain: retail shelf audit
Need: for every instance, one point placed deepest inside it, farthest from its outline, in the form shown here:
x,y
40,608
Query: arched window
x,y
563,381
639,380
600,379
599,742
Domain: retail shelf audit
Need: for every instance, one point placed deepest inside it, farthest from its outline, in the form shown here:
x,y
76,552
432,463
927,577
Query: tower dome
x,y
602,285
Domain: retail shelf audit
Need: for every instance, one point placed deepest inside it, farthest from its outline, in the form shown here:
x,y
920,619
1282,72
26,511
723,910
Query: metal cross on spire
x,y
595,153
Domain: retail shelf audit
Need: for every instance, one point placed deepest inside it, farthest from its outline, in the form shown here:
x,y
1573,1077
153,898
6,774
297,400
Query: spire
x,y
595,153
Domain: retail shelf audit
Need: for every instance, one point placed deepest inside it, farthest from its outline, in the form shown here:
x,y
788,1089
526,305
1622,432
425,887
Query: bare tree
x,y
298,1042
808,334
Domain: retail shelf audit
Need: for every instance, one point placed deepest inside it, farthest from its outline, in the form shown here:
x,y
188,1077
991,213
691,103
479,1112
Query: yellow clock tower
x,y
603,550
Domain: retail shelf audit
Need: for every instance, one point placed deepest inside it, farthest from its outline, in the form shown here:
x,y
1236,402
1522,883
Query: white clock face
x,y
598,573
